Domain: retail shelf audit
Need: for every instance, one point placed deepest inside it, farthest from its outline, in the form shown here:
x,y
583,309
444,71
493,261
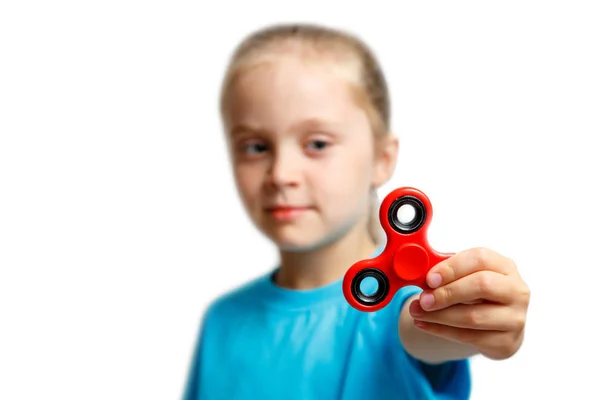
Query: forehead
x,y
290,91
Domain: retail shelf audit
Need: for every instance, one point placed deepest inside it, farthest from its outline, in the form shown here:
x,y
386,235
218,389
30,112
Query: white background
x,y
119,221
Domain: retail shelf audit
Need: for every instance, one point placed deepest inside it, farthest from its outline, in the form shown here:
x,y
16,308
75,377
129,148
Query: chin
x,y
297,247
293,240
301,243
300,237
295,244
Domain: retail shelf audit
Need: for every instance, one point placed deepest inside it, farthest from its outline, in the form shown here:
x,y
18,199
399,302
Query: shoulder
x,y
243,296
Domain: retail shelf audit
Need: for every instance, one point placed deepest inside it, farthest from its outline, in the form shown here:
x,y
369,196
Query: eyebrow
x,y
308,123
239,129
311,123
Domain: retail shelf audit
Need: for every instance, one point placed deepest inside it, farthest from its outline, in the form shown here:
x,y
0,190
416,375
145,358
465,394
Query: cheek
x,y
352,170
248,181
345,183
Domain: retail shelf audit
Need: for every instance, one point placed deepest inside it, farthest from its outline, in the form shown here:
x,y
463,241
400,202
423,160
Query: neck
x,y
324,265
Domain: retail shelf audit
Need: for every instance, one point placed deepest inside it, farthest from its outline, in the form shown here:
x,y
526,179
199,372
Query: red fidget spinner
x,y
406,258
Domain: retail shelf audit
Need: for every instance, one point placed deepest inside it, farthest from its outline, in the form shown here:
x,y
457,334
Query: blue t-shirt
x,y
265,342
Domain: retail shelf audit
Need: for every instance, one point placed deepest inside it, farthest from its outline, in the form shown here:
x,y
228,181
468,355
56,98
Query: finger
x,y
482,285
466,263
459,335
484,316
492,344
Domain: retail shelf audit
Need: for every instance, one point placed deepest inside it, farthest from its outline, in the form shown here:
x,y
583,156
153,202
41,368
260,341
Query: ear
x,y
386,157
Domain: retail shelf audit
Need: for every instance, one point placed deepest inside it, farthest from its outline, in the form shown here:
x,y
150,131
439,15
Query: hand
x,y
477,298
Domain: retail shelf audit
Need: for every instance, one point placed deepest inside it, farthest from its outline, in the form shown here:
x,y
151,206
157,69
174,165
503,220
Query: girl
x,y
306,113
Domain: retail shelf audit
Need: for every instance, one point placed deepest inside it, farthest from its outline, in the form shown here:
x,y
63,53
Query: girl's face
x,y
303,153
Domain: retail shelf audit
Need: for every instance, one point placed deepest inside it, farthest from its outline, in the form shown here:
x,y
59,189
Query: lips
x,y
286,213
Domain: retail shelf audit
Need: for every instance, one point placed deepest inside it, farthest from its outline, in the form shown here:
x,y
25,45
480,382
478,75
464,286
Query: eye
x,y
251,148
317,144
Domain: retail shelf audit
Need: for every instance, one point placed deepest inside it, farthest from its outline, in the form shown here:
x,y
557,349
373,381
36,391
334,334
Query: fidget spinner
x,y
405,215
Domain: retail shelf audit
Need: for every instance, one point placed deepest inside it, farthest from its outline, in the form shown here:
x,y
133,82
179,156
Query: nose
x,y
284,170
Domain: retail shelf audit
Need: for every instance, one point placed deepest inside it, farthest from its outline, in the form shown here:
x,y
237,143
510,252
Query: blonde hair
x,y
358,61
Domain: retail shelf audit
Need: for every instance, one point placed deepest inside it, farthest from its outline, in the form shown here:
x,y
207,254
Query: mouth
x,y
286,213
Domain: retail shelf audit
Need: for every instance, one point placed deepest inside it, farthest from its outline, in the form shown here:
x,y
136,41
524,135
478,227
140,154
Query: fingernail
x,y
435,280
420,324
427,301
416,310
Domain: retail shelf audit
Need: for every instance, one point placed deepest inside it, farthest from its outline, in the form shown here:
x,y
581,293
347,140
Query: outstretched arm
x,y
425,346
477,304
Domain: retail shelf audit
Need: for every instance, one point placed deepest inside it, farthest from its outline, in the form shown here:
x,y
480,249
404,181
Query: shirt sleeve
x,y
191,390
193,384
